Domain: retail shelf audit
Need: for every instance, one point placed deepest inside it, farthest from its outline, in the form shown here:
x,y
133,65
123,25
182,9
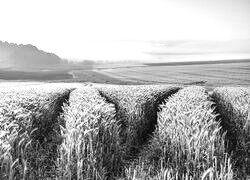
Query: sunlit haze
x,y
130,29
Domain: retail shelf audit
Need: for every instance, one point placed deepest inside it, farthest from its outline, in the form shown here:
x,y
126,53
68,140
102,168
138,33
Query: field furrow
x,y
137,108
187,143
233,105
79,131
91,142
30,130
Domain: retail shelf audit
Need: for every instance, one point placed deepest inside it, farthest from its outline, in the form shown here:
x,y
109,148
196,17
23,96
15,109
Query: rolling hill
x,y
19,56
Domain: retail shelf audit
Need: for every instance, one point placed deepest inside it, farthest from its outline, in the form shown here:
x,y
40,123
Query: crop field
x,y
79,131
233,104
137,111
37,75
27,121
211,75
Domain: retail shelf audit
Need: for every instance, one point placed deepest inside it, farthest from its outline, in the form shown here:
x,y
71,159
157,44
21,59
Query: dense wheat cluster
x,y
76,131
187,141
233,104
136,108
90,149
28,117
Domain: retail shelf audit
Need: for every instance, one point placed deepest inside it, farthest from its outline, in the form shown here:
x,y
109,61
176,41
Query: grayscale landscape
x,y
127,90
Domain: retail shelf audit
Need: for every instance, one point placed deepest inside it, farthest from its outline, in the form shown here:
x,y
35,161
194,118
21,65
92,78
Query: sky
x,y
129,29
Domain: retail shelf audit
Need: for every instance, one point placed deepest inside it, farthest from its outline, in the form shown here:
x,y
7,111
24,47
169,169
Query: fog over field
x,y
161,30
176,62
91,36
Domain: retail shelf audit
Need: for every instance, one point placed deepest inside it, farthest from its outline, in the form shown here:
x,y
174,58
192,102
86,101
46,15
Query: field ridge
x,y
100,131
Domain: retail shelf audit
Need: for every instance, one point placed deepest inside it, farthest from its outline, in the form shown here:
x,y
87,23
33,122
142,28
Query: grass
x,y
233,104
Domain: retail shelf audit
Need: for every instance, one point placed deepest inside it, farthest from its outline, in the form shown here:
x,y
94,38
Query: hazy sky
x,y
121,29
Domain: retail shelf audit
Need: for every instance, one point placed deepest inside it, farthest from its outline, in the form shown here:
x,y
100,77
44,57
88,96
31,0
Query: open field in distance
x,y
210,74
207,74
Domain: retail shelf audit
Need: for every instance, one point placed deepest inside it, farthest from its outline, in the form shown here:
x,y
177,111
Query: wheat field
x,y
66,131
